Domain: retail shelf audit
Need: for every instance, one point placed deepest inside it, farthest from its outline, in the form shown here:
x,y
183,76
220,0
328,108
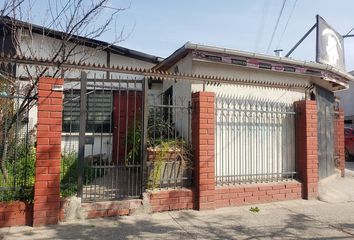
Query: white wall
x,y
181,97
235,140
102,144
347,100
252,145
44,47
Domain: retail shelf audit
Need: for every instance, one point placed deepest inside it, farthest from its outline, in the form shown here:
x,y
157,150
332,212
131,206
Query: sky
x,y
159,27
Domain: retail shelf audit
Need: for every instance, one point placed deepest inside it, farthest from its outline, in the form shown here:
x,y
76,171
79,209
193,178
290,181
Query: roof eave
x,y
93,43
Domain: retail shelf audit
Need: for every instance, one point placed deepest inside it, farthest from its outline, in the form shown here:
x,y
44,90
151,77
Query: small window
x,y
213,58
289,69
239,62
99,112
265,65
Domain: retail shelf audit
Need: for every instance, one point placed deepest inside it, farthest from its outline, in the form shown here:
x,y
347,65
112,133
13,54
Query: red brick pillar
x,y
339,141
307,147
47,175
203,121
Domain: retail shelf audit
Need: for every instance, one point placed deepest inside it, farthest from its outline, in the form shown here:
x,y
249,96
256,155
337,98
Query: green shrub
x,y
69,174
21,175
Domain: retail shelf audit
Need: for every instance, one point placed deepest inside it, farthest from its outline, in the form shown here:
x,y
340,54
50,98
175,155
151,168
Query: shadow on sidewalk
x,y
189,226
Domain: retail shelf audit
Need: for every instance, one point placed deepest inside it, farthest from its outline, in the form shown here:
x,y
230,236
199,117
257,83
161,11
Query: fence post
x,y
144,136
307,147
203,121
339,141
47,168
83,114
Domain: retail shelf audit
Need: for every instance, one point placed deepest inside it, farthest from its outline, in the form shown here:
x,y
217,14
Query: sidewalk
x,y
336,189
299,219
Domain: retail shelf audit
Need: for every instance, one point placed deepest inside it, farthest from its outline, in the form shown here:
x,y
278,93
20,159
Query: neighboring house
x,y
300,80
347,103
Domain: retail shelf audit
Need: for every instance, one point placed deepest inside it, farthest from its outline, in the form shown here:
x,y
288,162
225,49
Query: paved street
x,y
299,219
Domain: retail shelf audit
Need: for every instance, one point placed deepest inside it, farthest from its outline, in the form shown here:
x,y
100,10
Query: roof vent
x,y
278,52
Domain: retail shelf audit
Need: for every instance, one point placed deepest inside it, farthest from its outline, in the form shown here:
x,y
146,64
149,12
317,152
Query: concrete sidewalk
x,y
336,189
299,219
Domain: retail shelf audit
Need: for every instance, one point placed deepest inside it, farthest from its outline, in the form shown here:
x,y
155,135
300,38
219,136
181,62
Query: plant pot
x,y
170,155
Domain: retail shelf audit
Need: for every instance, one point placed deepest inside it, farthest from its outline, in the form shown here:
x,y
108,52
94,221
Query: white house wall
x,y
243,143
347,101
40,46
45,47
181,96
238,146
102,144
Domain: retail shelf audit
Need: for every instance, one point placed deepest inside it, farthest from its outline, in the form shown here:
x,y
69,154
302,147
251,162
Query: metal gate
x,y
17,143
102,137
325,106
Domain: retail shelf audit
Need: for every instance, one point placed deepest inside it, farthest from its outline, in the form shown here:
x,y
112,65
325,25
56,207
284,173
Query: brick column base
x,y
46,207
307,147
203,121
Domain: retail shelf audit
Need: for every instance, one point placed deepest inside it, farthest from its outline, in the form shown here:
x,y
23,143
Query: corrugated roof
x,y
7,21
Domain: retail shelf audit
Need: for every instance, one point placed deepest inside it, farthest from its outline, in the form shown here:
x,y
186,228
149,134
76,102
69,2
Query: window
x,y
99,112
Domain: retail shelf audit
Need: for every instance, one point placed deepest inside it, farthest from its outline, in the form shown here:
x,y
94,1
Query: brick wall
x,y
168,200
15,214
256,193
339,141
307,147
47,174
203,121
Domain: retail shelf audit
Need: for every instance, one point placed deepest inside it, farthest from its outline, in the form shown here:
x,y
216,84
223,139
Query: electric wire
x,y
276,25
263,20
287,22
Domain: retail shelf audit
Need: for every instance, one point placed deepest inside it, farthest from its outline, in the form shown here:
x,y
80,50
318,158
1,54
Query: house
x,y
262,128
260,79
38,42
346,102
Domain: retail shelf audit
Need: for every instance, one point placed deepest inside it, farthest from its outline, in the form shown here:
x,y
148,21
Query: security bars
x,y
255,141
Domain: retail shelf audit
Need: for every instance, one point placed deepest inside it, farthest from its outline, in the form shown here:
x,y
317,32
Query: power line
x,y
276,25
263,19
286,25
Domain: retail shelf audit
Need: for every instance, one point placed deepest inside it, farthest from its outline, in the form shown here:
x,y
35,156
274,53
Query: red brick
x,y
50,121
56,128
56,101
280,196
306,145
245,194
237,190
292,195
259,193
185,199
237,201
56,115
265,188
46,162
48,148
252,199
280,186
